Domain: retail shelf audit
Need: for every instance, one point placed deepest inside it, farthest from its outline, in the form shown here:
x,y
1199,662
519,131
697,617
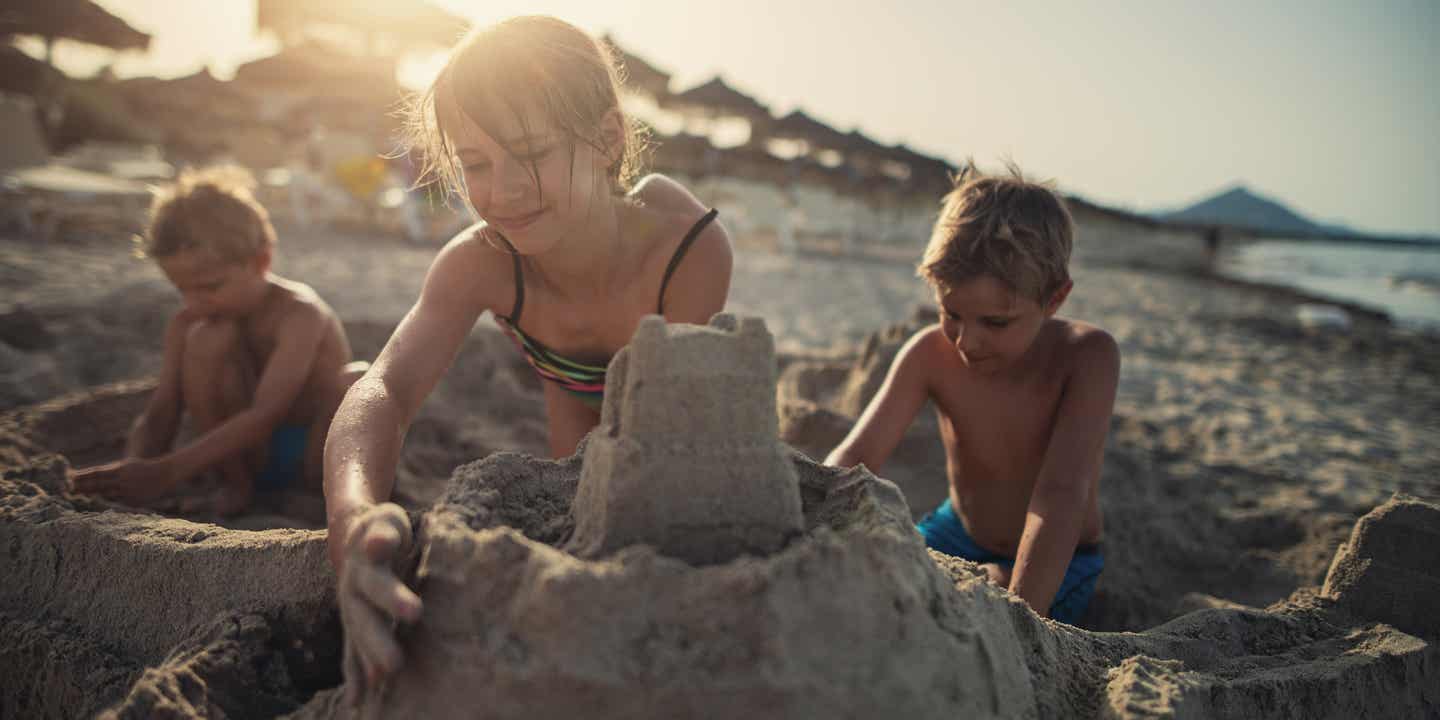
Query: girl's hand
x,y
372,598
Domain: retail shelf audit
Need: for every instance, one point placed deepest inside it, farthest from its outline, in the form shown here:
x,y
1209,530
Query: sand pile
x,y
852,617
93,596
844,615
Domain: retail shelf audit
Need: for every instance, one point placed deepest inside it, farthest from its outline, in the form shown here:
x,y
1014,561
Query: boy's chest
x,y
1005,419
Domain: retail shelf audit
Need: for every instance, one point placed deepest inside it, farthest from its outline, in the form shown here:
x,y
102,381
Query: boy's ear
x,y
263,259
1058,298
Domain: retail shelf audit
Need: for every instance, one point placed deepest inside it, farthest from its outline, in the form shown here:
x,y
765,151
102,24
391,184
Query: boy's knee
x,y
211,340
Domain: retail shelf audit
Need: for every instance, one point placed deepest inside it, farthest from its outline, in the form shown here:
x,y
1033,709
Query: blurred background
x,y
825,127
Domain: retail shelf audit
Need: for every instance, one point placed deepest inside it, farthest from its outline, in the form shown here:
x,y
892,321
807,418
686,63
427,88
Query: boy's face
x,y
991,326
536,189
212,287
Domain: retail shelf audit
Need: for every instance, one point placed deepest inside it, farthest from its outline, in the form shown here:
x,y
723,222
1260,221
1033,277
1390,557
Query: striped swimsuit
x,y
583,380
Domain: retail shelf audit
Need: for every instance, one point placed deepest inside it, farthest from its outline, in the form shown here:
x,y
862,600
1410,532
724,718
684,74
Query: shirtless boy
x,y
1023,397
258,361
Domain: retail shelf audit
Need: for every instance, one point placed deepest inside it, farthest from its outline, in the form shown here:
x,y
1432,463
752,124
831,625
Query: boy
x,y
259,362
1023,397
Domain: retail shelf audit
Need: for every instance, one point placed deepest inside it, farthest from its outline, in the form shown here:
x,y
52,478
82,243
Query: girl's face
x,y
538,189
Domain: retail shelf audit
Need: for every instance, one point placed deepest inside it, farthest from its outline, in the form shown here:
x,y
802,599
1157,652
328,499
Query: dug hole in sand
x,y
684,563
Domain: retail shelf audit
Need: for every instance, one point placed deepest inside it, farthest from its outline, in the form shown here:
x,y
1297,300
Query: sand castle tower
x,y
686,457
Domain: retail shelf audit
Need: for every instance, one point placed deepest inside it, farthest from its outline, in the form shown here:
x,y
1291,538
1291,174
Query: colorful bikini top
x,y
583,380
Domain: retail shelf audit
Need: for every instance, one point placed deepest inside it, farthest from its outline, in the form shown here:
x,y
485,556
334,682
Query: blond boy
x,y
1023,397
258,361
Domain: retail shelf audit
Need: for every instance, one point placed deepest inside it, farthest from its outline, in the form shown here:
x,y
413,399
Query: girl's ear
x,y
1058,299
612,137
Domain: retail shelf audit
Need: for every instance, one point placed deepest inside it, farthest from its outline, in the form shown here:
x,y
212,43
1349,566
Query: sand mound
x,y
93,595
845,614
1388,569
852,618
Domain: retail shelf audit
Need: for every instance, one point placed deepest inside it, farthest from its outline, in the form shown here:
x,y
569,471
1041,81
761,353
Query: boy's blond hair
x,y
211,209
1004,226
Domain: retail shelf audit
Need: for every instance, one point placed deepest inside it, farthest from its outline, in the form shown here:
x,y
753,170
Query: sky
x,y
1332,108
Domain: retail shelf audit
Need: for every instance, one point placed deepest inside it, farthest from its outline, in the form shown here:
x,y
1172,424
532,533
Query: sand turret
x,y
686,458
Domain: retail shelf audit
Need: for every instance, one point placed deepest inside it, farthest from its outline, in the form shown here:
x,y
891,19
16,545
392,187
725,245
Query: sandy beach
x,y
1243,450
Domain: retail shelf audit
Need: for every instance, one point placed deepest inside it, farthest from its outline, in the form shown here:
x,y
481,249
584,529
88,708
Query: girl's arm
x,y
362,449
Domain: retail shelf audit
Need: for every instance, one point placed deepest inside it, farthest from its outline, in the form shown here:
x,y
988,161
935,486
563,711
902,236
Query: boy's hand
x,y
372,598
135,481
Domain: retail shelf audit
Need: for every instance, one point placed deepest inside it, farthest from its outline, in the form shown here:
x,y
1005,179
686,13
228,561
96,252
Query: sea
x,y
1403,281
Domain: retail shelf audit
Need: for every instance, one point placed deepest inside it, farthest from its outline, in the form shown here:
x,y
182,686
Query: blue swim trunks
x,y
286,458
943,531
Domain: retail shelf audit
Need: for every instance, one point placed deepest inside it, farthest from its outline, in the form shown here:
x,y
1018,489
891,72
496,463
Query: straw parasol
x,y
638,73
408,22
717,99
79,20
799,126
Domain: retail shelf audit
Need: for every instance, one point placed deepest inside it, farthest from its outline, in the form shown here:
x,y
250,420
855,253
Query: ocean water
x,y
1402,281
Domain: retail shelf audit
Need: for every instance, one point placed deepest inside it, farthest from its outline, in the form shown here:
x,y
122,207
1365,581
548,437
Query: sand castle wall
x,y
144,616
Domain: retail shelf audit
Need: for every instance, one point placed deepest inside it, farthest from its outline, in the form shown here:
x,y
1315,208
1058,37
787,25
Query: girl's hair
x,y
211,210
1004,226
524,65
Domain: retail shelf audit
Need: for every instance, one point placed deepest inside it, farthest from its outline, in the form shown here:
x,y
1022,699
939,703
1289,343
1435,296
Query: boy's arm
x,y
155,428
297,342
1069,473
888,416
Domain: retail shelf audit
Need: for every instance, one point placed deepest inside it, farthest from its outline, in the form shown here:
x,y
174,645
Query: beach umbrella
x,y
79,20
640,74
717,99
409,22
799,126
21,74
319,66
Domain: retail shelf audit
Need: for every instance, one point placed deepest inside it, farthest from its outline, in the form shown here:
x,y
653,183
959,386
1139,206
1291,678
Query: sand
x,y
1243,451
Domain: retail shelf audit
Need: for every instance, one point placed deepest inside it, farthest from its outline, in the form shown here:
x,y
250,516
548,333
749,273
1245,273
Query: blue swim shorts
x,y
943,531
286,459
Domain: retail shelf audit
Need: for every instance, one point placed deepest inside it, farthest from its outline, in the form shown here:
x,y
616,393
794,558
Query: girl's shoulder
x,y
474,267
672,212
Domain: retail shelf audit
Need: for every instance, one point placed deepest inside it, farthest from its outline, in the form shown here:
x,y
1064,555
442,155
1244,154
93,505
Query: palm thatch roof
x,y
799,126
21,74
638,73
408,22
79,20
315,64
716,98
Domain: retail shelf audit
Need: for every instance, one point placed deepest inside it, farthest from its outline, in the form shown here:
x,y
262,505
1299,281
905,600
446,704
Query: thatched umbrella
x,y
327,71
716,99
799,126
409,23
640,74
79,20
924,170
21,74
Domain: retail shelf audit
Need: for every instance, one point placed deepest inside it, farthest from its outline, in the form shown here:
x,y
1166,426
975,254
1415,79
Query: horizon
x,y
1339,127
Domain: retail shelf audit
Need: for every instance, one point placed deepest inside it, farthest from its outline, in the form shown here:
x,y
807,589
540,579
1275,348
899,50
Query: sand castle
x,y
814,597
657,471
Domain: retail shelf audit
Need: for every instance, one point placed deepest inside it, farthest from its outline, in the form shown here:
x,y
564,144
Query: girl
x,y
525,122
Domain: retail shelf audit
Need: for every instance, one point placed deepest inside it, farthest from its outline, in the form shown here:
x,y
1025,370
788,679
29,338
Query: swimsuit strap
x,y
519,283
680,254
